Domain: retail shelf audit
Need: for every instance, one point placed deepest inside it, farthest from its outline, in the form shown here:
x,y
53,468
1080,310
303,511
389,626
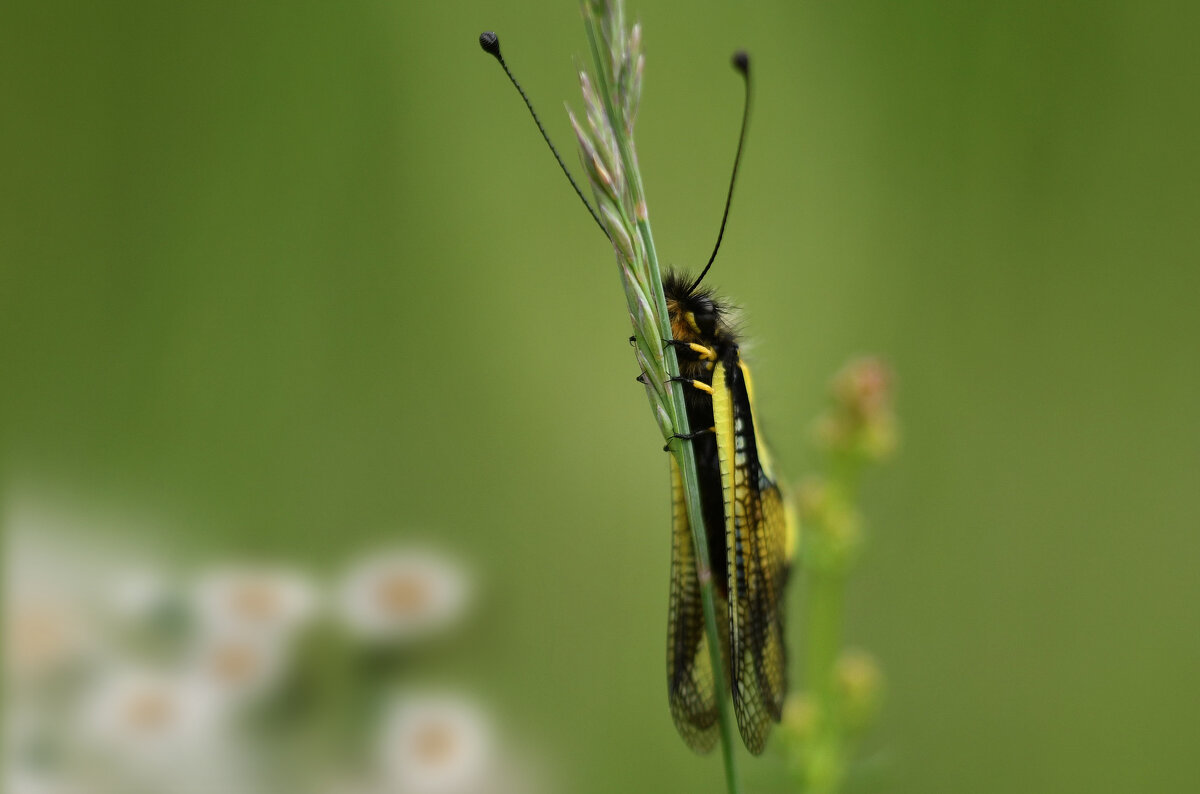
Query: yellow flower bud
x,y
860,683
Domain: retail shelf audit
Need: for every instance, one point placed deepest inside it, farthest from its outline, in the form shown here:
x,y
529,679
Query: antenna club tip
x,y
490,43
741,61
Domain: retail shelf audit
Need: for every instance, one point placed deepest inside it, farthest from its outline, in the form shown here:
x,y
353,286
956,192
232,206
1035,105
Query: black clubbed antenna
x,y
741,62
491,45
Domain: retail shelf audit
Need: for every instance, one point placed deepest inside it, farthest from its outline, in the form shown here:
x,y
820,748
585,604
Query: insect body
x,y
748,535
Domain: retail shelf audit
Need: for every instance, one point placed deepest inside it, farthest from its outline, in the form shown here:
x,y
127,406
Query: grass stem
x,y
617,62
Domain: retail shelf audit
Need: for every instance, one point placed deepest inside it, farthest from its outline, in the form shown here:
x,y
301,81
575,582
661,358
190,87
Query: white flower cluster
x,y
147,681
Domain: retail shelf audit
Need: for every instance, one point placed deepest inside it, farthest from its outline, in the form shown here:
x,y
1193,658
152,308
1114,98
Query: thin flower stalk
x,y
842,688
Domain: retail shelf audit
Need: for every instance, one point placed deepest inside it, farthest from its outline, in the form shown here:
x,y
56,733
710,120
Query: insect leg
x,y
688,436
698,384
705,353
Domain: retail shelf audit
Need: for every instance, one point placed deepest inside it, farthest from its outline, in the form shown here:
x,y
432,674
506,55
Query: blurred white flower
x,y
45,630
238,665
47,624
151,718
401,595
150,731
27,781
435,745
348,785
24,737
273,600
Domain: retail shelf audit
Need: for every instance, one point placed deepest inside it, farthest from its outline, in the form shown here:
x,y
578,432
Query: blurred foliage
x,y
287,280
826,716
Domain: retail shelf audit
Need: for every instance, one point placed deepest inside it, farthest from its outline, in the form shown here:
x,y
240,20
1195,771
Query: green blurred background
x,y
299,279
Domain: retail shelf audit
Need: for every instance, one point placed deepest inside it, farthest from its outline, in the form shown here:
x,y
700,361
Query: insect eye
x,y
706,316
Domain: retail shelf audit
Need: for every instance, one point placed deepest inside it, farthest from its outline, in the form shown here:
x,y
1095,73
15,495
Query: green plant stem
x,y
682,450
827,569
825,602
